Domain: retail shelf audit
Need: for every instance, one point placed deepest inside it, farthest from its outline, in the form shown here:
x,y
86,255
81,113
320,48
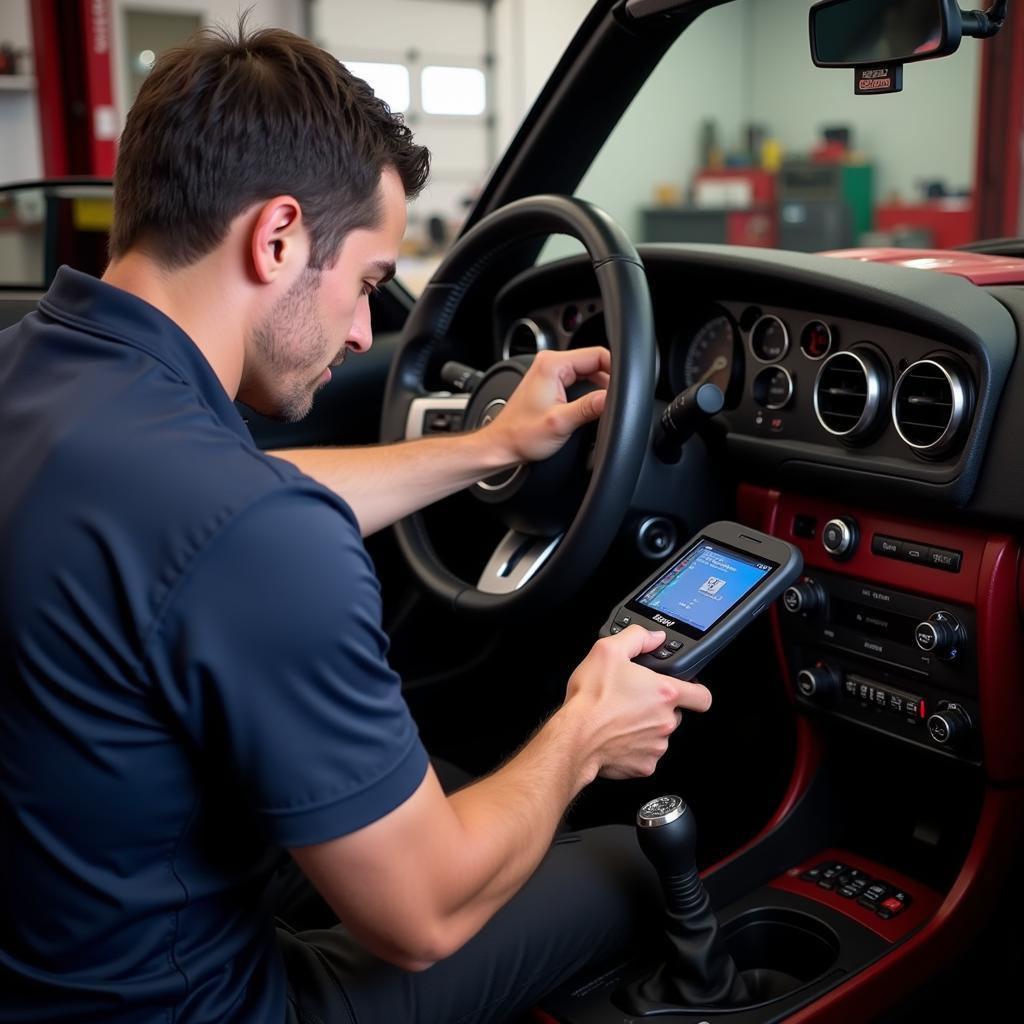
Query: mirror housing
x,y
872,33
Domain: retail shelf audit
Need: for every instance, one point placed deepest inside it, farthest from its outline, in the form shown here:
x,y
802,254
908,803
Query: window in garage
x,y
474,68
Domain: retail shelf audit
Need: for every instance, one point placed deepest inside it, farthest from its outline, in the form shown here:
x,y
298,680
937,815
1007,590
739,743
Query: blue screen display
x,y
704,584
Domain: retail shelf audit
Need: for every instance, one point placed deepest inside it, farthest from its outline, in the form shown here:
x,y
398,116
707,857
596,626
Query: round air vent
x,y
931,403
849,392
524,338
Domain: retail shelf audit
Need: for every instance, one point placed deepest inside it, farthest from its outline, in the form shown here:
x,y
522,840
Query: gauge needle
x,y
719,364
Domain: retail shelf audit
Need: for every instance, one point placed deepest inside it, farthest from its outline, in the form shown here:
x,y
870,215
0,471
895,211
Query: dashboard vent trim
x,y
930,402
847,394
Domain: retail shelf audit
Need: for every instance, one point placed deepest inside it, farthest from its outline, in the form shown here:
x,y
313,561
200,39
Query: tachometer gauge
x,y
713,355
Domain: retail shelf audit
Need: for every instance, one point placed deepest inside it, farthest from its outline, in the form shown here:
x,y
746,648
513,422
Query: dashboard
x,y
872,417
837,373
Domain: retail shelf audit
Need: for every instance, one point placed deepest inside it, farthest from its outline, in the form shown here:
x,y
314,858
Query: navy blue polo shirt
x,y
193,675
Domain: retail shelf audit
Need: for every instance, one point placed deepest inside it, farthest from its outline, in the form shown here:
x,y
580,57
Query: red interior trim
x,y
757,507
976,892
924,901
979,268
1001,660
960,587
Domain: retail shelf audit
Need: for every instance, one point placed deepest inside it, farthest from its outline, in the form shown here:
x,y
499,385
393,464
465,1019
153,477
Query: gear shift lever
x,y
697,971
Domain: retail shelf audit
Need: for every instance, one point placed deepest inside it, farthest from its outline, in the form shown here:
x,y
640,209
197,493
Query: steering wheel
x,y
544,557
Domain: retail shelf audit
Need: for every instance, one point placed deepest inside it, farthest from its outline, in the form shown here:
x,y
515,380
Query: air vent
x,y
524,338
930,404
849,391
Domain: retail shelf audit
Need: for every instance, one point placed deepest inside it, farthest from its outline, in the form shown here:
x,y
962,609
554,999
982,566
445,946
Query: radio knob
x,y
805,596
940,634
950,725
818,682
839,538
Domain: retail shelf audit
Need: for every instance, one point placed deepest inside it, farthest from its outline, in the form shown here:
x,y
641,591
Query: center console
x,y
901,650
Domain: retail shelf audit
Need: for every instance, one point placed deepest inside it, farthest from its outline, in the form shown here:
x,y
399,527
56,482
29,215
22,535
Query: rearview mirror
x,y
862,33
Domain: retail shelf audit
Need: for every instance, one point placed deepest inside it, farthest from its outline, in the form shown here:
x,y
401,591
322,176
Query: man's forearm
x,y
384,483
508,820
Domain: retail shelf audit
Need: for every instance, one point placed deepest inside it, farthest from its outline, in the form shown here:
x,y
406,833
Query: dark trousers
x,y
587,901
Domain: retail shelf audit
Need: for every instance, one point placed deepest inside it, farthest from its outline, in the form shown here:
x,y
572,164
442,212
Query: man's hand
x,y
627,712
416,884
539,418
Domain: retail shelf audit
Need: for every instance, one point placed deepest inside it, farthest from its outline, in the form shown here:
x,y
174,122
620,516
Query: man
x,y
193,674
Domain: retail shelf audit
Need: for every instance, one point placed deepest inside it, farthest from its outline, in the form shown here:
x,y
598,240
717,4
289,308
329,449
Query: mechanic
x,y
194,675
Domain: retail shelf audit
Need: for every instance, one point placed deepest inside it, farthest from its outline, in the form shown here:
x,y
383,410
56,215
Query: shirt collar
x,y
86,303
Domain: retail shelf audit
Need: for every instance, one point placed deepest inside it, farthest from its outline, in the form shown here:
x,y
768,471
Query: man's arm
x,y
384,483
417,884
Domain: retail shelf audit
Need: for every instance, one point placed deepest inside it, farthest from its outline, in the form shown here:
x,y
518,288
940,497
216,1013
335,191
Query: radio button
x,y
941,558
950,725
919,554
887,547
940,634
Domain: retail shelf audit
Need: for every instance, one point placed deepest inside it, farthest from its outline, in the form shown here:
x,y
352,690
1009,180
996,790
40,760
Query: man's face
x,y
289,354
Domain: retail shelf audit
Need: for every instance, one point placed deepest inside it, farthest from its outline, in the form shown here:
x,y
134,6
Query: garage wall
x,y
416,33
21,155
280,13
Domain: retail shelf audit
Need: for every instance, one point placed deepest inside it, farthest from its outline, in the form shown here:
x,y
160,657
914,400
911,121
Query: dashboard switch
x,y
839,538
804,596
818,682
950,725
940,634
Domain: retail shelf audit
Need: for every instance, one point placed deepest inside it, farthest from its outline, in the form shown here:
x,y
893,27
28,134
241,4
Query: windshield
x,y
737,138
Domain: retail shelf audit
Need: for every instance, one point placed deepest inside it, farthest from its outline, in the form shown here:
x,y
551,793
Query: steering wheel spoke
x,y
515,561
435,414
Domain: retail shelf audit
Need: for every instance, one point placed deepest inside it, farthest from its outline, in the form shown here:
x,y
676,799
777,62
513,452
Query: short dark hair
x,y
230,119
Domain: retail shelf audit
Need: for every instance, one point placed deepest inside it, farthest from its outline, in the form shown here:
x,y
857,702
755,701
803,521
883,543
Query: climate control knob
x,y
950,725
804,596
818,682
839,538
940,634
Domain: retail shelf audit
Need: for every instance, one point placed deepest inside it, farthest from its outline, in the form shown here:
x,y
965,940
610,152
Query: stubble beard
x,y
290,329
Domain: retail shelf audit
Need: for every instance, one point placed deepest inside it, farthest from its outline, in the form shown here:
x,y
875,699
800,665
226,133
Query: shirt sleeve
x,y
272,657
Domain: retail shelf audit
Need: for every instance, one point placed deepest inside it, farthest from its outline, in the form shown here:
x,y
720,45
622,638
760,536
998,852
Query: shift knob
x,y
697,970
667,833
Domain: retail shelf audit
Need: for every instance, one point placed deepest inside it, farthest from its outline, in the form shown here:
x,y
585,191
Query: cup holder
x,y
778,950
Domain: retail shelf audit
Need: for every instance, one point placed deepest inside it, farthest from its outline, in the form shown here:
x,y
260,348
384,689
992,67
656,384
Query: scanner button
x,y
674,645
615,628
663,652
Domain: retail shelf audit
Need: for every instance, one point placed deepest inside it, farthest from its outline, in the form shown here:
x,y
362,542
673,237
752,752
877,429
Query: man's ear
x,y
280,243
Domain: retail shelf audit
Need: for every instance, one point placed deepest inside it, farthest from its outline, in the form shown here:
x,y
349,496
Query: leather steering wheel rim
x,y
624,428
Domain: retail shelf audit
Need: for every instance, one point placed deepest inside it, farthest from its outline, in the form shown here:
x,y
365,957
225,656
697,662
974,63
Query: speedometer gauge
x,y
712,355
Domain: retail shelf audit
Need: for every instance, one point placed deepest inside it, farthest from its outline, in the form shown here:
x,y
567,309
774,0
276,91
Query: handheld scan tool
x,y
704,596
